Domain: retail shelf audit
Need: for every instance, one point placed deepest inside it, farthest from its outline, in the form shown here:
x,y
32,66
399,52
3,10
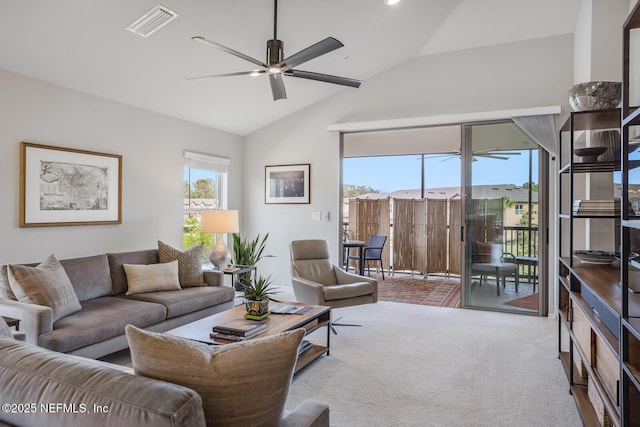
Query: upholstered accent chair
x,y
316,280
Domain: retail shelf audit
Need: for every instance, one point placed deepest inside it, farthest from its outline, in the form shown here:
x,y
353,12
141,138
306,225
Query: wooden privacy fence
x,y
424,235
410,234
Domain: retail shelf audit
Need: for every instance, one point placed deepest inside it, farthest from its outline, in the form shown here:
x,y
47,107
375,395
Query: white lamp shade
x,y
219,221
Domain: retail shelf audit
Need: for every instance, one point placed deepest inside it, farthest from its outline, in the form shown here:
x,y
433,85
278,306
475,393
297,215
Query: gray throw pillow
x,y
241,384
189,263
47,284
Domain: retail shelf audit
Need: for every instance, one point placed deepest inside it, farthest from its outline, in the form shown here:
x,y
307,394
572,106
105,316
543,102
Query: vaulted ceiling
x,y
83,45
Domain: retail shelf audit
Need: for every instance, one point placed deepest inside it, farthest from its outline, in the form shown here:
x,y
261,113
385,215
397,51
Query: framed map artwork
x,y
65,186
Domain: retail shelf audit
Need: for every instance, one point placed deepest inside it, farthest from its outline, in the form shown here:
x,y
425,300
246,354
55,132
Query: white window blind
x,y
206,162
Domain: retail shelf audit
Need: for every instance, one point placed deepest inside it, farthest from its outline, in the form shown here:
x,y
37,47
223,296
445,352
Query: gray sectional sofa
x,y
39,387
100,284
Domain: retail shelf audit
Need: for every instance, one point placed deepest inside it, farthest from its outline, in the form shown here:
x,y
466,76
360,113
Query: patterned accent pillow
x,y
189,263
47,284
241,384
143,278
481,252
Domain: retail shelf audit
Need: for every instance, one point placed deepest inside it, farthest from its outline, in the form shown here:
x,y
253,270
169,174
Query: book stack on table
x,y
279,308
304,346
598,207
238,330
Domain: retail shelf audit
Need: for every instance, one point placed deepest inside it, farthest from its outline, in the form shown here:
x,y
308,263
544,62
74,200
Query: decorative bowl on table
x,y
589,154
589,96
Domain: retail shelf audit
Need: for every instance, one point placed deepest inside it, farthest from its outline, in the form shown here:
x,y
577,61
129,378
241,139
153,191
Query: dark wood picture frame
x,y
65,186
287,184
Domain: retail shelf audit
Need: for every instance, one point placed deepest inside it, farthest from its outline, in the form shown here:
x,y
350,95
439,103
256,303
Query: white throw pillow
x,y
143,278
47,284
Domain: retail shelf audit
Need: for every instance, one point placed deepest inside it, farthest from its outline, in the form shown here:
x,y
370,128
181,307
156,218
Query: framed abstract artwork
x,y
65,186
287,184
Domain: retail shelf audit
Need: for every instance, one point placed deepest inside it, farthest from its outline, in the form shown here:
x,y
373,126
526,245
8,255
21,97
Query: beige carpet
x,y
411,365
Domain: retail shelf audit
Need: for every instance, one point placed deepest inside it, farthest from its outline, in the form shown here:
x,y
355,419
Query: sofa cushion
x,y
89,276
189,263
187,300
30,374
241,384
99,320
116,260
47,284
152,277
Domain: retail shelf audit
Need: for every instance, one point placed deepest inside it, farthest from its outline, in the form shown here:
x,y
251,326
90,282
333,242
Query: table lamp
x,y
219,222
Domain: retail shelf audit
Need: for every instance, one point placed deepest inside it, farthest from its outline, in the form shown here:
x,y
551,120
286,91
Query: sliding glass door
x,y
502,213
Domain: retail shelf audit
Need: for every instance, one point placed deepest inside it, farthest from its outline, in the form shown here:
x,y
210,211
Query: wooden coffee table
x,y
313,320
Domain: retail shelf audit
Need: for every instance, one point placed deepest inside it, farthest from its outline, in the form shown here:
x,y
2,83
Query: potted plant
x,y
257,293
248,253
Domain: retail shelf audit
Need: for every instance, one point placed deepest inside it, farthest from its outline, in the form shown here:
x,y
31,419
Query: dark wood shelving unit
x,y
587,345
630,323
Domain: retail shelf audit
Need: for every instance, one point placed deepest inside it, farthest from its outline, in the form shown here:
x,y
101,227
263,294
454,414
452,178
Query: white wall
x,y
516,75
151,146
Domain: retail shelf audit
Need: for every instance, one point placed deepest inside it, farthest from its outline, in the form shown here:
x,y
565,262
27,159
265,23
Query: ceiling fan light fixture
x,y
391,2
277,66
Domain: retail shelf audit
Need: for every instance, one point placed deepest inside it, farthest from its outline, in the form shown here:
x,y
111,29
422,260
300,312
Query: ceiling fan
x,y
276,66
493,153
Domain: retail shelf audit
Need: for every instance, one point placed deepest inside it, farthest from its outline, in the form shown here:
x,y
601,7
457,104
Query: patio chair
x,y
317,281
373,252
484,265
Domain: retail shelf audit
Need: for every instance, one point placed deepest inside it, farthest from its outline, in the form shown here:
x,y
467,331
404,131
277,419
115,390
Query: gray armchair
x,y
317,281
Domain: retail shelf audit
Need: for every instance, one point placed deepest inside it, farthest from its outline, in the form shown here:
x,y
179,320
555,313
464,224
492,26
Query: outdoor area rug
x,y
433,291
529,302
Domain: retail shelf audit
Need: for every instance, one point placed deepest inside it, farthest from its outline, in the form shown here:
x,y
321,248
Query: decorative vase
x,y
609,139
257,308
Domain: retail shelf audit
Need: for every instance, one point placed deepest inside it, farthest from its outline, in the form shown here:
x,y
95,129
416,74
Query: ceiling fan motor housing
x,y
275,51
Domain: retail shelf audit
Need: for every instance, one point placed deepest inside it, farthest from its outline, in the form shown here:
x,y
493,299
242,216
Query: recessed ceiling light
x,y
391,2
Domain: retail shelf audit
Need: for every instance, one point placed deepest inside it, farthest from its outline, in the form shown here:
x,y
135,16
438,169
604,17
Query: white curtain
x,y
543,129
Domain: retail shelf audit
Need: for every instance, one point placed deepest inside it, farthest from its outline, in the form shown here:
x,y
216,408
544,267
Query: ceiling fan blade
x,y
498,151
327,78
229,50
277,86
313,51
491,156
239,73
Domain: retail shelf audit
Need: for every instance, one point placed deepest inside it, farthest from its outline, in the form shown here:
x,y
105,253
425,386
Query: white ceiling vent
x,y
152,21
